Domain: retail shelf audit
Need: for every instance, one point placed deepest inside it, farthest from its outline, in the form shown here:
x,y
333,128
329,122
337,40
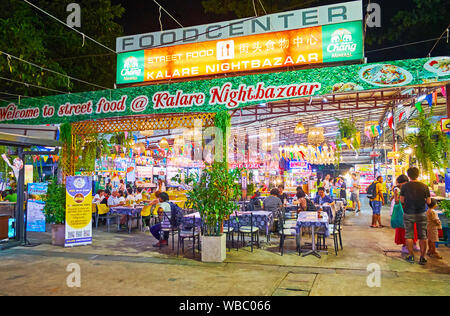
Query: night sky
x,y
142,17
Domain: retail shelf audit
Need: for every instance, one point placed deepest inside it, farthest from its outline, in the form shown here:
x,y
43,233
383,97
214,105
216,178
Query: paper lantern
x,y
300,129
163,143
315,135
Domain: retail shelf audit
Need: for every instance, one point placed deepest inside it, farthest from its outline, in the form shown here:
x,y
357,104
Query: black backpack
x,y
372,191
310,207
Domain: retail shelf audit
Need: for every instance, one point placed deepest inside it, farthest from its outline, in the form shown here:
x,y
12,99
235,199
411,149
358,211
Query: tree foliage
x,y
36,37
245,8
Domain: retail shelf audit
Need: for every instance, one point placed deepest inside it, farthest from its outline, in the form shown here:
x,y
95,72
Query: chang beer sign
x,y
130,67
342,42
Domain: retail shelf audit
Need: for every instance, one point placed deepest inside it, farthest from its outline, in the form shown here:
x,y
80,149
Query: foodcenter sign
x,y
278,22
314,45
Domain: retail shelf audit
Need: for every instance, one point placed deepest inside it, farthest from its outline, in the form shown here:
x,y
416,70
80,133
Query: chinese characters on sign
x,y
314,45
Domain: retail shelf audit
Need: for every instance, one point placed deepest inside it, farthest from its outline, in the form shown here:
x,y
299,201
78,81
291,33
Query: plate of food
x,y
438,65
385,75
346,87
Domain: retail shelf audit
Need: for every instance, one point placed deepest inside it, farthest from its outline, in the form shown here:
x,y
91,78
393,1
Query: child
x,y
433,225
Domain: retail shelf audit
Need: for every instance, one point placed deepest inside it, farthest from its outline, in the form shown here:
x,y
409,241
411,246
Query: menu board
x,y
78,211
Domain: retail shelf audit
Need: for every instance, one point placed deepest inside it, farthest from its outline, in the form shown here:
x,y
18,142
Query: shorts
x,y
376,207
355,197
421,223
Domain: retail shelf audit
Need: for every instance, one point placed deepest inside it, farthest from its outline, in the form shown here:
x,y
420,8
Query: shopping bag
x,y
397,216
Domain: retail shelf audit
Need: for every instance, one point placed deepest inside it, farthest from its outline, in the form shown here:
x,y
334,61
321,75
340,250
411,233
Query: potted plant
x,y
430,144
214,196
55,211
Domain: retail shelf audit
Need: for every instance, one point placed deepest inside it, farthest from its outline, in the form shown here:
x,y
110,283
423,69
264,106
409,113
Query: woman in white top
x,y
99,197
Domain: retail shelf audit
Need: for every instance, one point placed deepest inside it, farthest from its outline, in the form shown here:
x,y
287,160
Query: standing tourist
x,y
415,195
377,202
327,184
400,232
433,225
354,189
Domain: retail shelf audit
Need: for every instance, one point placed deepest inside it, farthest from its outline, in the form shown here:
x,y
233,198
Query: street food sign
x,y
277,22
229,93
313,45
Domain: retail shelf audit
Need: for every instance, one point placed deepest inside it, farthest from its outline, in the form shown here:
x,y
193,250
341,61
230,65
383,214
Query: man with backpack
x,y
375,195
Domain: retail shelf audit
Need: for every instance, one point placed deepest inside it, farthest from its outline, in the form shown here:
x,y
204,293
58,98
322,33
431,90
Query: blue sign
x,y
447,182
35,207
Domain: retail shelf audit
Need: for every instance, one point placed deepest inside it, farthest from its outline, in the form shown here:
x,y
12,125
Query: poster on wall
x,y
35,207
131,172
78,211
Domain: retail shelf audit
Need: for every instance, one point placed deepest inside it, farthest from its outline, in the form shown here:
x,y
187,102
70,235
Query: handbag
x,y
397,216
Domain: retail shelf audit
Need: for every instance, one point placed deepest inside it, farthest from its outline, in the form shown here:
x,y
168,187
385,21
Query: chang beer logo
x,y
343,41
130,67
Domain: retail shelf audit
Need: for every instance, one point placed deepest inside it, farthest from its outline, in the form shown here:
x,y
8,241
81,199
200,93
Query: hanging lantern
x,y
299,129
315,135
148,133
163,143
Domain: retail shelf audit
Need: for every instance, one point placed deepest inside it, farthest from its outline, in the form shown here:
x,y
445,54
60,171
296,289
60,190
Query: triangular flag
x,y
391,122
443,91
429,99
401,116
435,96
379,129
419,107
373,130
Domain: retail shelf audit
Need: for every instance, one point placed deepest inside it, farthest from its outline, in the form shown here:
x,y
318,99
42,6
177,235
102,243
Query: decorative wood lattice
x,y
141,123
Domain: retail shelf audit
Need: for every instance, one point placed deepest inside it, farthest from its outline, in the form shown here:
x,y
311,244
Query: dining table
x,y
261,219
325,208
130,211
311,219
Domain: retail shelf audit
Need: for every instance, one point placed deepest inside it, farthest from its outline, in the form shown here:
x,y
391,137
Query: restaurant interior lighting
x,y
164,143
331,134
421,98
327,124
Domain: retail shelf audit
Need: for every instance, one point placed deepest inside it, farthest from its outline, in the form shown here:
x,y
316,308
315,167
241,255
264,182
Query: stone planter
x,y
58,234
214,248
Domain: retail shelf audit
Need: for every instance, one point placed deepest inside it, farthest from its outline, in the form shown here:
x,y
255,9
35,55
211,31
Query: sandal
x,y
372,226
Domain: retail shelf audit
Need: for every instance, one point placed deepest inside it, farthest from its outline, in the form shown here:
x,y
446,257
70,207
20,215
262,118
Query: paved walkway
x,y
122,264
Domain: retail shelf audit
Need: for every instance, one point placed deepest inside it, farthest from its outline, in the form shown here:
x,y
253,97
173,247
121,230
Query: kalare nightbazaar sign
x,y
224,93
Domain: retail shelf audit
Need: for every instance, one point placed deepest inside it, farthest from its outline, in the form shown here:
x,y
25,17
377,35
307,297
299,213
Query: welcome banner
x,y
224,93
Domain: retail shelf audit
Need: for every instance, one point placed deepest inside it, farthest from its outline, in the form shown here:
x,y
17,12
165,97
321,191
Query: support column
x,y
20,220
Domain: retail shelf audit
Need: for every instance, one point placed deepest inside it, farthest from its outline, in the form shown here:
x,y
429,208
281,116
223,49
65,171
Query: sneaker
x,y
405,250
410,259
422,261
161,243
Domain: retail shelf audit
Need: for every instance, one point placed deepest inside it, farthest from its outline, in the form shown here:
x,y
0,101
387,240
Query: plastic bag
x,y
397,216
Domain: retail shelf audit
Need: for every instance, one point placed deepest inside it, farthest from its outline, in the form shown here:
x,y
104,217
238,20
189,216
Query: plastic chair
x,y
249,230
335,231
166,226
286,228
188,233
103,210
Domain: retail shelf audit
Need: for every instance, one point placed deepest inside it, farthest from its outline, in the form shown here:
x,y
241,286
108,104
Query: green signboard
x,y
224,93
130,67
342,42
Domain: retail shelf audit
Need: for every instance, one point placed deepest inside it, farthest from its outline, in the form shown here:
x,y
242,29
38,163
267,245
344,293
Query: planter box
x,y
58,235
214,248
4,226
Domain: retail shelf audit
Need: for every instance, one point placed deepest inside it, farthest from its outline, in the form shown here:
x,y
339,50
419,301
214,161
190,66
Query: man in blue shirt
x,y
321,198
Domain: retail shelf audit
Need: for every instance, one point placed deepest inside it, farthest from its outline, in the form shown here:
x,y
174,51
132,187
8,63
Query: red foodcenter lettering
x,y
234,97
75,109
163,100
11,112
